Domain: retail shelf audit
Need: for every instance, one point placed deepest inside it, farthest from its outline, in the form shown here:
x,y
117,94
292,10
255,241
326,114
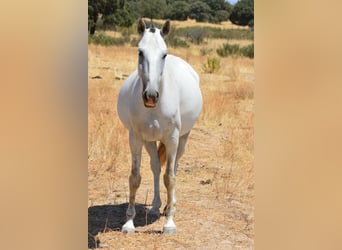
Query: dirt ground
x,y
215,178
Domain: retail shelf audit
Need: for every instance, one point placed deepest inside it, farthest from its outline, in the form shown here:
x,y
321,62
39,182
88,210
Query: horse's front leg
x,y
170,182
152,150
135,144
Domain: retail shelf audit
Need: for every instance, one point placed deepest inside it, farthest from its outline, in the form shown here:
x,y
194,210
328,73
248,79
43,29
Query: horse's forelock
x,y
152,28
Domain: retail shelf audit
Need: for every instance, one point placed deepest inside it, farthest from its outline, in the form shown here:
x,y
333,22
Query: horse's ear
x,y
141,26
166,27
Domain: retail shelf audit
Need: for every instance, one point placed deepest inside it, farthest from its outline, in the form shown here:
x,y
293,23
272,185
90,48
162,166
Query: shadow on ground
x,y
111,218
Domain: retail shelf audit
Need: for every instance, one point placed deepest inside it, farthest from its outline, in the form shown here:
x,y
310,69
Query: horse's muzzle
x,y
150,98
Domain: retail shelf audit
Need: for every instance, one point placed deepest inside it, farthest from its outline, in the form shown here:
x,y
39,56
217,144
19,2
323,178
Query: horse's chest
x,y
151,129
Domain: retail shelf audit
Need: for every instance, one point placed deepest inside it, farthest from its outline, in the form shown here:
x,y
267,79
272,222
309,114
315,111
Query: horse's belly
x,y
190,115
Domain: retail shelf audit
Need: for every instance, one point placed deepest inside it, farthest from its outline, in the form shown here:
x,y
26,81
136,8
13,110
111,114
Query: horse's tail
x,y
162,153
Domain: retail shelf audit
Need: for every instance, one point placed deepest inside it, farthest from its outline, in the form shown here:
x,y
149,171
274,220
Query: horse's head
x,y
152,53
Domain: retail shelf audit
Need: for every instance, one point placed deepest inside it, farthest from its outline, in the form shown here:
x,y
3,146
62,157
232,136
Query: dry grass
x,y
192,22
215,180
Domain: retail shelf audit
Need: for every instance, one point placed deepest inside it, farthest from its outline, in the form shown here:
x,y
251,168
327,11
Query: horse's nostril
x,y
154,96
151,95
145,95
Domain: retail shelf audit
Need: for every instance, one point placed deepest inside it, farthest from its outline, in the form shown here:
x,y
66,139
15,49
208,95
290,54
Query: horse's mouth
x,y
149,103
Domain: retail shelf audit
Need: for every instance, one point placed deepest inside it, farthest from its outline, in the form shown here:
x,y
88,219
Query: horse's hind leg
x,y
151,148
134,181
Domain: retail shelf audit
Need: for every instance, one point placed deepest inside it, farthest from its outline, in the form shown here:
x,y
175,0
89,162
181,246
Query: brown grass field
x,y
215,178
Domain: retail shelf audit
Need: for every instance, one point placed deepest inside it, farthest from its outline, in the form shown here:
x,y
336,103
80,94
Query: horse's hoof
x,y
128,227
169,227
127,230
169,230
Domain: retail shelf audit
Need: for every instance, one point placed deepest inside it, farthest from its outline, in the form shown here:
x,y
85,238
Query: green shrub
x,y
213,65
247,51
235,50
134,42
228,50
127,31
205,51
105,40
176,43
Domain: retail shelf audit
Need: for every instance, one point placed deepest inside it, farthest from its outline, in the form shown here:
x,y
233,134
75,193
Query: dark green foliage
x,y
251,24
153,9
199,11
228,50
247,51
93,13
178,10
113,13
222,15
235,50
219,10
243,12
105,40
117,16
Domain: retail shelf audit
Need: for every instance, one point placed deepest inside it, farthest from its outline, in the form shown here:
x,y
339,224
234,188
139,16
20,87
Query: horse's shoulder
x,y
174,59
177,65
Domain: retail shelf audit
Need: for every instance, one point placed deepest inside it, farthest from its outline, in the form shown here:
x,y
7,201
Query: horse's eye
x,y
141,53
164,56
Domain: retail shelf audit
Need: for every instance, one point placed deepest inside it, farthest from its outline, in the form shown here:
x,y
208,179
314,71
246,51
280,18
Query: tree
x,y
222,15
219,10
112,12
153,9
216,5
93,13
115,13
200,11
243,12
178,10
